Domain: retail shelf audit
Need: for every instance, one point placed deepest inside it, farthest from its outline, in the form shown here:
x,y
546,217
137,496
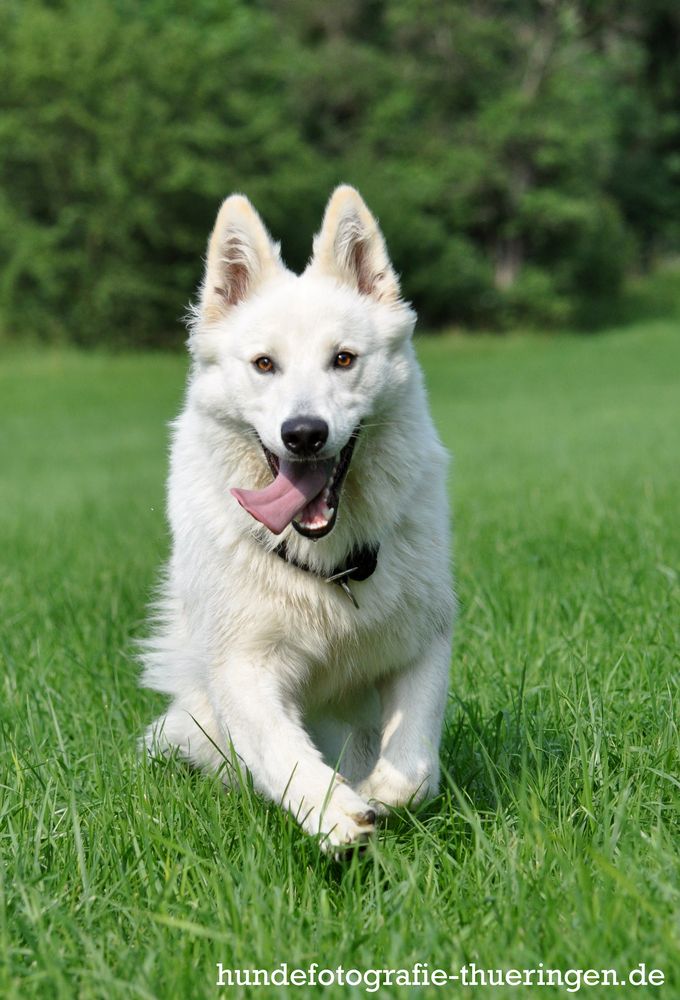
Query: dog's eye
x,y
264,364
345,359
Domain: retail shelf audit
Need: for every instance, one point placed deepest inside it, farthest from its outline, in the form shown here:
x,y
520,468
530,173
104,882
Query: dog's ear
x,y
351,248
241,255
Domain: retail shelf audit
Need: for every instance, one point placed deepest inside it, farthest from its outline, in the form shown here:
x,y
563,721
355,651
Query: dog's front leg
x,y
263,724
413,703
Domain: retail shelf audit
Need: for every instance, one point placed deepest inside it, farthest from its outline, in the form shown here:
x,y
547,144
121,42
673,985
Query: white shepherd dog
x,y
304,629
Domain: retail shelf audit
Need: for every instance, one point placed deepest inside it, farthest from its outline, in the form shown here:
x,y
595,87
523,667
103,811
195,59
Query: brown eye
x,y
264,364
344,360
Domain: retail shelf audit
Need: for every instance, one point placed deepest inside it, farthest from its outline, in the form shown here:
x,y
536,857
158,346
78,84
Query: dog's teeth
x,y
320,520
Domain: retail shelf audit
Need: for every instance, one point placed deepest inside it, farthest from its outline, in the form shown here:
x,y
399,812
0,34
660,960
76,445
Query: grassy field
x,y
556,838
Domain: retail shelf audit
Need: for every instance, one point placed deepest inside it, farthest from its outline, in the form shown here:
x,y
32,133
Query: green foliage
x,y
521,157
556,837
122,130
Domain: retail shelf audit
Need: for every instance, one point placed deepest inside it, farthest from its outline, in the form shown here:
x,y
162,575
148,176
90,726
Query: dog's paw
x,y
344,823
349,834
387,787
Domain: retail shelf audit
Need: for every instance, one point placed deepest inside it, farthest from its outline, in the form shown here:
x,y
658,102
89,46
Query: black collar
x,y
359,565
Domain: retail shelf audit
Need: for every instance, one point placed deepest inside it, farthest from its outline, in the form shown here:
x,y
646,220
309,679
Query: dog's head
x,y
304,363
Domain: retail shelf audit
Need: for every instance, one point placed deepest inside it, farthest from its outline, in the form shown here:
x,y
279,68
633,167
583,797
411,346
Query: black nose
x,y
304,436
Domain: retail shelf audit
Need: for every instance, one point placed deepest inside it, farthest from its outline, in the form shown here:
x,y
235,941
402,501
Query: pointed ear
x,y
351,248
241,255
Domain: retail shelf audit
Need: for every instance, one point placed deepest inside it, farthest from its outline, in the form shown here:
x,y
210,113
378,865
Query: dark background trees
x,y
523,157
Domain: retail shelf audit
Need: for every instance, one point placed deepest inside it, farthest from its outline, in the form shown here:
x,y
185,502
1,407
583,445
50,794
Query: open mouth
x,y
304,493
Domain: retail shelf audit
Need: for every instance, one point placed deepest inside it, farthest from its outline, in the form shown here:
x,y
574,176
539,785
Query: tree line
x,y
523,156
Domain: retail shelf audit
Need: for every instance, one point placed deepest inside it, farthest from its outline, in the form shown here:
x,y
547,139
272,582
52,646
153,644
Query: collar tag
x,y
346,587
343,573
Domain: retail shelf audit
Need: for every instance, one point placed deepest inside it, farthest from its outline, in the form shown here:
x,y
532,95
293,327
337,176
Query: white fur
x,y
330,708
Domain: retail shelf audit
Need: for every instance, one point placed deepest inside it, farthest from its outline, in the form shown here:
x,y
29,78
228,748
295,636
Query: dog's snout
x,y
304,436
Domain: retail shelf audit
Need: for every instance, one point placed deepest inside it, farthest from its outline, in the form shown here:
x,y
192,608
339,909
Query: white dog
x,y
304,630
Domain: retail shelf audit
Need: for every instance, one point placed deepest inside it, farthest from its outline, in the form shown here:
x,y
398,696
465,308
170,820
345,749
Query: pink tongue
x,y
295,485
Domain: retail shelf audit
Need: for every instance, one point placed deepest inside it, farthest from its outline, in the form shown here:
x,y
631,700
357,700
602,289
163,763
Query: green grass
x,y
556,839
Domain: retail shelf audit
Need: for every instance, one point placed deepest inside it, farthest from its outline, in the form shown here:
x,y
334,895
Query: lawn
x,y
556,839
